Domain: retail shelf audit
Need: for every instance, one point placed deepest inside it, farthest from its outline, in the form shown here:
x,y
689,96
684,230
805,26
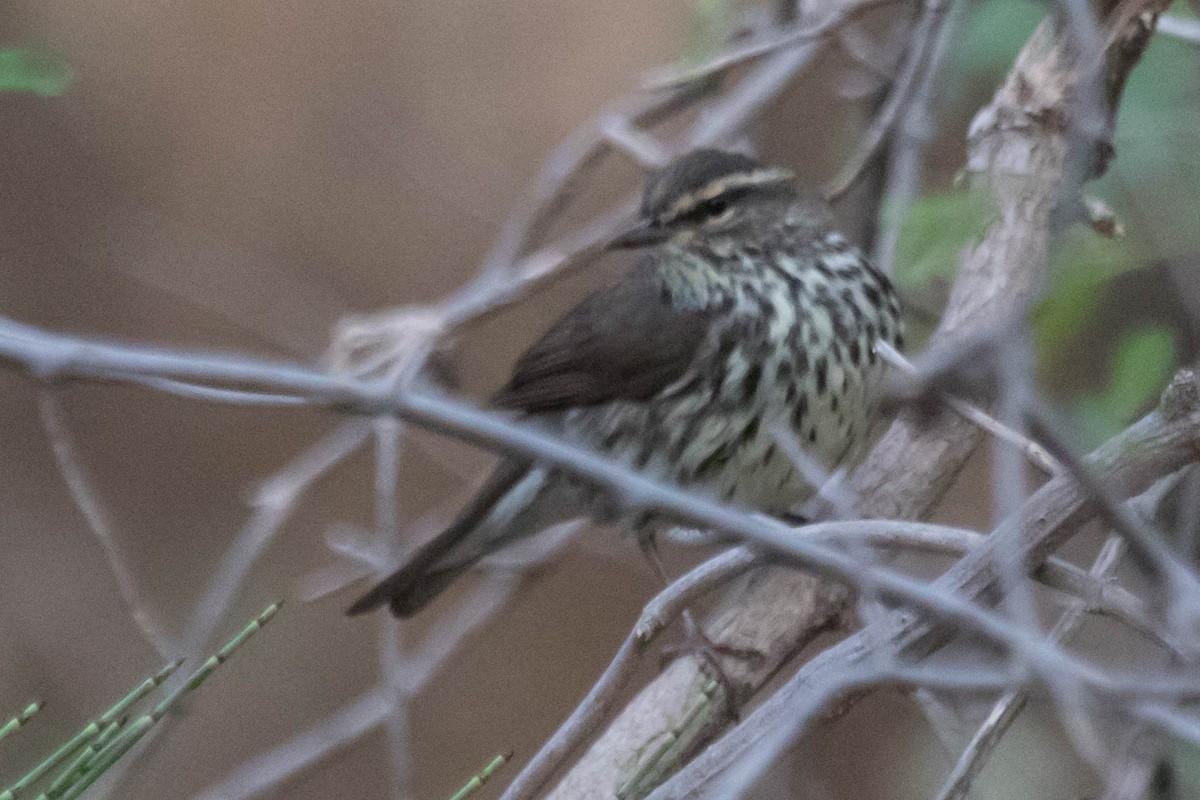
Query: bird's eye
x,y
715,207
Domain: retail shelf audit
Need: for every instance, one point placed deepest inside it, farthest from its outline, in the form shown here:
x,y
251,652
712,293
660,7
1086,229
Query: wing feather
x,y
627,342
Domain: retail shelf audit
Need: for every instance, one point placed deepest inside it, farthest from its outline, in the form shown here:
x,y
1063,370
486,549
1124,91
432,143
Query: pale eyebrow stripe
x,y
759,177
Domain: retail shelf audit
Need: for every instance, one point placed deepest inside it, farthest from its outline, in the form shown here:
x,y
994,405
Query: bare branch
x,y
1187,30
767,43
1146,544
1033,451
924,41
1005,711
266,771
67,357
93,513
273,505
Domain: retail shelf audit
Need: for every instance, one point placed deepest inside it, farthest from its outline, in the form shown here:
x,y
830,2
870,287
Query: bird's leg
x,y
695,639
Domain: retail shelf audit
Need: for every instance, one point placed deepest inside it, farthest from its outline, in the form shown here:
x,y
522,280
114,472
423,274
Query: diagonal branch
x,y
152,628
1006,709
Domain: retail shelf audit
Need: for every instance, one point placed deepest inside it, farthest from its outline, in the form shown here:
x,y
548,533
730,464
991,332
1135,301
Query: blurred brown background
x,y
239,175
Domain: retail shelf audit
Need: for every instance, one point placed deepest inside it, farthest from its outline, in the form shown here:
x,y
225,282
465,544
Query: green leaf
x,y
33,71
1157,140
995,31
1187,764
1082,265
934,231
1142,366
712,23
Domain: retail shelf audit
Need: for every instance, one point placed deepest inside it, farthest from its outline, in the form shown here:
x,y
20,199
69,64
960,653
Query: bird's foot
x,y
713,655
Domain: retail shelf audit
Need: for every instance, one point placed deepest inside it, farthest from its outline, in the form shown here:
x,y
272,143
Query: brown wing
x,y
623,343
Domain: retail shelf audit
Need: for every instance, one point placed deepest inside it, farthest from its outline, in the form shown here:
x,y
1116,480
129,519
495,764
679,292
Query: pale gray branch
x,y
94,514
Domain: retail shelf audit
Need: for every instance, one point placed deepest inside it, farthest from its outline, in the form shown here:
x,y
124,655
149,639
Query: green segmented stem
x,y
109,737
90,731
480,779
18,722
221,656
636,785
108,756
147,686
134,732
84,760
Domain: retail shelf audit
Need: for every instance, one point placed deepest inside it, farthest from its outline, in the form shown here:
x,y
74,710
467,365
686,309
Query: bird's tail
x,y
512,503
410,588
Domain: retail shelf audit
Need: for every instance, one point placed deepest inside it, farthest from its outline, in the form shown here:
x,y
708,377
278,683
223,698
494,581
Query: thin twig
x,y
263,772
634,142
925,37
273,504
672,601
387,433
1147,545
1187,30
595,707
906,149
1037,455
1006,709
152,629
766,44
267,770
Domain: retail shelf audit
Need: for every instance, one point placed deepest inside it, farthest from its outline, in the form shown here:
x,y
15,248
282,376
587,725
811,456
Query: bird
x,y
746,315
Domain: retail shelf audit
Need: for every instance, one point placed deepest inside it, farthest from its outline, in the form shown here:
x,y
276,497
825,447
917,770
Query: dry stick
x,y
268,770
1034,452
387,433
924,39
769,42
273,504
1005,711
86,500
593,709
1146,545
1187,30
1016,141
265,771
906,148
643,148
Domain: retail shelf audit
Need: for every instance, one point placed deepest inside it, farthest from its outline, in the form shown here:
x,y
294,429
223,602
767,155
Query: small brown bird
x,y
747,314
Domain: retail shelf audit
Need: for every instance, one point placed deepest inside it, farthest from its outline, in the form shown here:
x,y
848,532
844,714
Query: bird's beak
x,y
642,234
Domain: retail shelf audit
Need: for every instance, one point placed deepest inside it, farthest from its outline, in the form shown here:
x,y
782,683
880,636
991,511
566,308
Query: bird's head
x,y
708,195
